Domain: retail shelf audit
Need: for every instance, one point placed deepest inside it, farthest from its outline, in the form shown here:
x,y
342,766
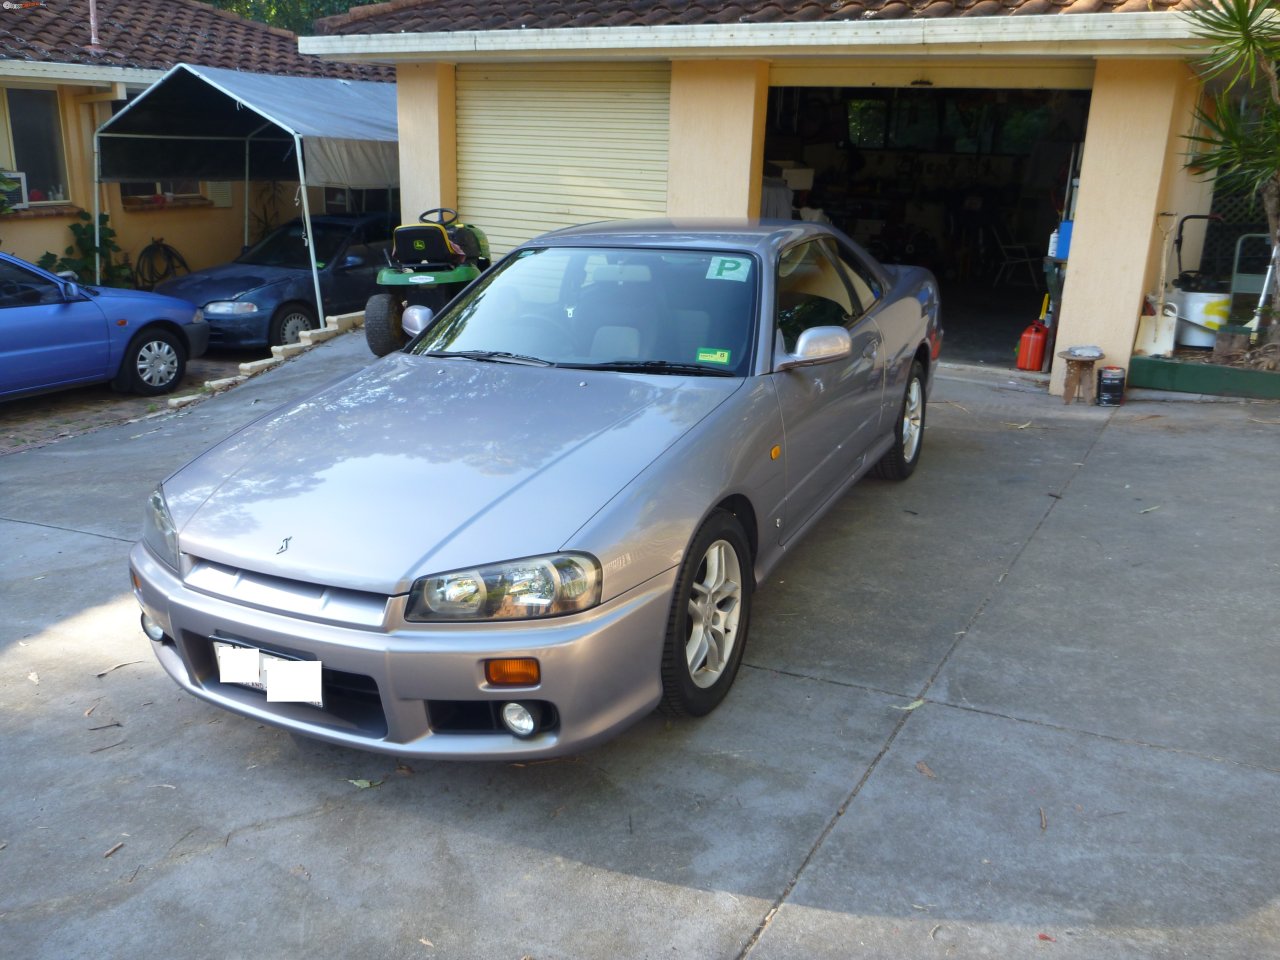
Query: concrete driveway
x,y
1024,705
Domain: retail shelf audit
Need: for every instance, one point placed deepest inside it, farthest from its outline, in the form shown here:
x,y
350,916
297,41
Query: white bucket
x,y
1199,316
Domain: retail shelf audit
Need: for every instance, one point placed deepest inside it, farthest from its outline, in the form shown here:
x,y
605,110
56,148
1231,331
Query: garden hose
x,y
158,262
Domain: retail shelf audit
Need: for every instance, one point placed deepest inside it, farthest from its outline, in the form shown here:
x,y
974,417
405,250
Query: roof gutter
x,y
1113,34
78,74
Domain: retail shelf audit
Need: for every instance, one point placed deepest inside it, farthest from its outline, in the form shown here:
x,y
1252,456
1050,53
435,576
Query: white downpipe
x,y
97,226
306,218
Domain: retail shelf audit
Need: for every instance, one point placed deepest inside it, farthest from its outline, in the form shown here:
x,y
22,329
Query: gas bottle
x,y
1031,346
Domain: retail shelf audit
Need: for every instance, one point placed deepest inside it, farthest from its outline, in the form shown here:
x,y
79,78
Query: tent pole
x,y
97,227
246,191
306,218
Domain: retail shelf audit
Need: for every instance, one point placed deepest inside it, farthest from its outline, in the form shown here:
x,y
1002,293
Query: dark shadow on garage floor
x,y
982,323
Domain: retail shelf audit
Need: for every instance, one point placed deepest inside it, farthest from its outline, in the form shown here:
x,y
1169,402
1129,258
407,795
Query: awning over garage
x,y
208,123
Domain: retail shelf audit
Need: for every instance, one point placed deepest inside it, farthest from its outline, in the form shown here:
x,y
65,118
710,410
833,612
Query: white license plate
x,y
283,680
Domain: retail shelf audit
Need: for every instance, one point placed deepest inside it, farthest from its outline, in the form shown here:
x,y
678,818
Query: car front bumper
x,y
600,670
246,331
197,335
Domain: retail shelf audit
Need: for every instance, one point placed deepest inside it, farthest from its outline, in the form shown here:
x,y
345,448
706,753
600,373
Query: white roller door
x,y
546,146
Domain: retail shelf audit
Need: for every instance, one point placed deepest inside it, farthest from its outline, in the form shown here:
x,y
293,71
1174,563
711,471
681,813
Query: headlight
x,y
158,531
224,308
517,590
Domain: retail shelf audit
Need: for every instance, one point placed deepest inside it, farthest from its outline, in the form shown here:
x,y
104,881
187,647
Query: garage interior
x,y
968,182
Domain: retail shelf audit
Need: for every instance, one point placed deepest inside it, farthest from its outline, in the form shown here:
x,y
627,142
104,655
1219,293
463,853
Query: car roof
x,y
763,237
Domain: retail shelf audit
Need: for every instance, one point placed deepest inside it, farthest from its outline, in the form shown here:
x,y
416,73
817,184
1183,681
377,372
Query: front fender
x,y
645,529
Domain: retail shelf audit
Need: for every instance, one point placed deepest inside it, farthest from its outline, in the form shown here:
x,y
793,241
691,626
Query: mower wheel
x,y
382,330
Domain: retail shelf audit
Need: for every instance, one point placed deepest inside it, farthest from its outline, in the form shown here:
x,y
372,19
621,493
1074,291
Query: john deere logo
x,y
419,244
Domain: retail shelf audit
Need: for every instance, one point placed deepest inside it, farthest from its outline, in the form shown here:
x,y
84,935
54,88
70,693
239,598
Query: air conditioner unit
x,y
16,197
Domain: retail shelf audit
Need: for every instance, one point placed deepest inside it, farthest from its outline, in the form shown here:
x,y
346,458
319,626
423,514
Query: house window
x,y
35,143
350,200
147,189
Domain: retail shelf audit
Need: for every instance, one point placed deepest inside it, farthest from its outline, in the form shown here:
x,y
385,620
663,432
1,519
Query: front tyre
x,y
382,329
289,322
710,616
153,363
899,462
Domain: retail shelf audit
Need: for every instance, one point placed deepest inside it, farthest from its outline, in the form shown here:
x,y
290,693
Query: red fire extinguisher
x,y
1034,338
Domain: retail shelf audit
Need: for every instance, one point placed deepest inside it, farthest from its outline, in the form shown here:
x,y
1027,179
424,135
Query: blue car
x,y
56,333
266,297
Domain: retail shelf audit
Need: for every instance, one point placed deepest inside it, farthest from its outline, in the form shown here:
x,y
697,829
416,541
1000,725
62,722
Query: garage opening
x,y
968,182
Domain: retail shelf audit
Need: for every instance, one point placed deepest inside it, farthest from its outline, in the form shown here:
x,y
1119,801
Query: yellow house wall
x,y
426,106
203,235
716,151
1184,191
1130,169
29,234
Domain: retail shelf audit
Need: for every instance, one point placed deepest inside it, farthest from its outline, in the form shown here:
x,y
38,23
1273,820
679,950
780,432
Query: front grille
x,y
351,700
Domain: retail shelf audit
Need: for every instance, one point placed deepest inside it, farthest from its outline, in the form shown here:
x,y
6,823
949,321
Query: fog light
x,y
522,719
513,672
151,628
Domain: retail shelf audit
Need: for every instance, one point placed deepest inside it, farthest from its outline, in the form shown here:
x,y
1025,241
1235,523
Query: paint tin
x,y
1110,386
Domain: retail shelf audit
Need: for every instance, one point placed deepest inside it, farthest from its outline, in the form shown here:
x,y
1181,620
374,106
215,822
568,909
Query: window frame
x,y
9,159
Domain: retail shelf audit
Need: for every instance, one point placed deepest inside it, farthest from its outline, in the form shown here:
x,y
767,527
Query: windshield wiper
x,y
491,356
654,366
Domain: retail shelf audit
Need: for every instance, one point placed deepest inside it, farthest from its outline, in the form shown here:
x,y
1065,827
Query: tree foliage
x,y
295,15
1239,127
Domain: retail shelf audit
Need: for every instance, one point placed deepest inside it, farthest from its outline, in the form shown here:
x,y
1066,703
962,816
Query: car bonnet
x,y
419,465
226,282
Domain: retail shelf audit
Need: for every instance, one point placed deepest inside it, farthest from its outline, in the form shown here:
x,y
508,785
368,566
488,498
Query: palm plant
x,y
1239,128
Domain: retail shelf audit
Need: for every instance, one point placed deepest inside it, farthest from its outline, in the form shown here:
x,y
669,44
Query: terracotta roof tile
x,y
156,34
433,16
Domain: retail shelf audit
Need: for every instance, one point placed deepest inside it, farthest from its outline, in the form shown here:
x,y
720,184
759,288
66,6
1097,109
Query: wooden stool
x,y
1080,380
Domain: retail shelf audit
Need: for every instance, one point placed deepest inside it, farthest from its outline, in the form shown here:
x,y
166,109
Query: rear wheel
x,y
154,363
382,329
289,322
908,432
710,615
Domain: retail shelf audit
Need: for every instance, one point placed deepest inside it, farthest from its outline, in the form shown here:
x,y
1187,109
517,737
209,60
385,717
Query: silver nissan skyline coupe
x,y
548,513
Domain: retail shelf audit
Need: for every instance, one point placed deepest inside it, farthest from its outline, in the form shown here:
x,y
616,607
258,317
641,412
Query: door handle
x,y
870,350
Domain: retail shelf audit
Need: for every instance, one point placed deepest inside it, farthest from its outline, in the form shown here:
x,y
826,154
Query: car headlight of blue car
x,y
230,308
546,586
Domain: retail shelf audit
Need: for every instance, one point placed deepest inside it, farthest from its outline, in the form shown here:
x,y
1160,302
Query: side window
x,y
810,291
866,285
21,288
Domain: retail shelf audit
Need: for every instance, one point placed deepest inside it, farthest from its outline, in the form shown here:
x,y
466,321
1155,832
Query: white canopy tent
x,y
208,123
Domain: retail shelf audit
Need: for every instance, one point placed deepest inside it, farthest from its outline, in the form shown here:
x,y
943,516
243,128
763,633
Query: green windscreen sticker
x,y
729,268
712,355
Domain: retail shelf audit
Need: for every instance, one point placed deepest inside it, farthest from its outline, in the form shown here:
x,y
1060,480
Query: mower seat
x,y
424,246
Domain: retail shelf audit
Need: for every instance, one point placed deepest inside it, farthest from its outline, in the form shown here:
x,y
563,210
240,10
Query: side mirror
x,y
415,320
351,261
71,290
817,345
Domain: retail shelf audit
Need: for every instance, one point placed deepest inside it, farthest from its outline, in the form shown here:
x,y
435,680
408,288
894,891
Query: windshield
x,y
284,247
664,311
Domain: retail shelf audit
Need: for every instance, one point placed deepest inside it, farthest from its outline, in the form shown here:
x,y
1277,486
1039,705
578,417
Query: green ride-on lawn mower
x,y
430,261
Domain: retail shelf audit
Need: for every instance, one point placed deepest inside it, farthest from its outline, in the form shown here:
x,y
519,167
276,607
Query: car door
x,y
830,411
46,338
355,272
898,321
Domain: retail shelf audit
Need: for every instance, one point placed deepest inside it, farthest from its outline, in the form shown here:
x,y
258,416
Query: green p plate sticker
x,y
712,355
729,268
